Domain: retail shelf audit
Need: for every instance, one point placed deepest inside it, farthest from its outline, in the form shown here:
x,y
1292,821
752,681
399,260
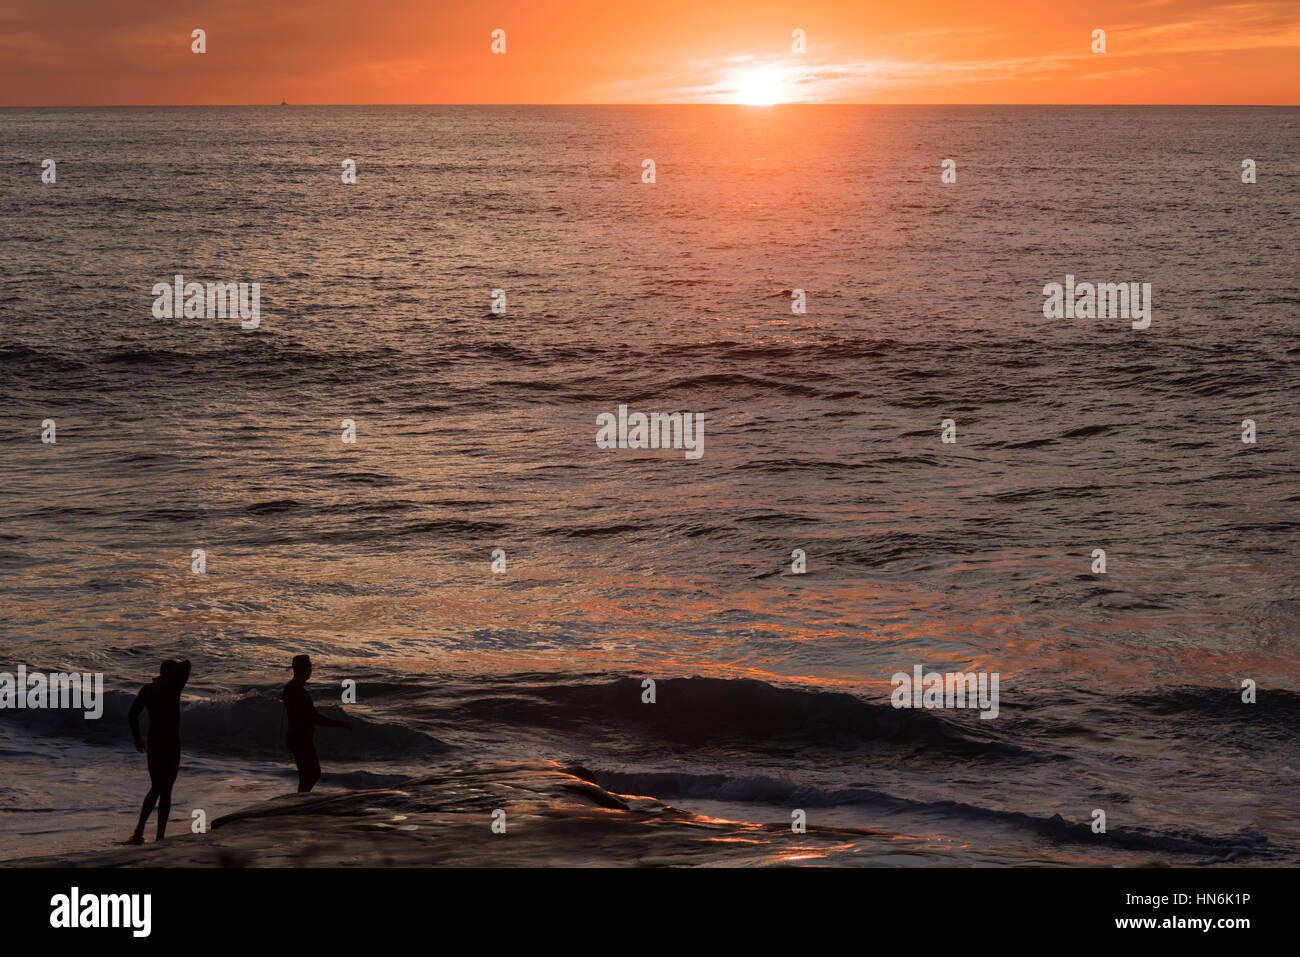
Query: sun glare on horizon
x,y
761,86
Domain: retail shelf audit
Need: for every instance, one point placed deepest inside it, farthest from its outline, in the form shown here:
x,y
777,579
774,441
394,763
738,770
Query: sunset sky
x,y
137,52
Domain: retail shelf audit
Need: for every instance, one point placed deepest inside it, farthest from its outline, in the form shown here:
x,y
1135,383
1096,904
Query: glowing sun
x,y
760,86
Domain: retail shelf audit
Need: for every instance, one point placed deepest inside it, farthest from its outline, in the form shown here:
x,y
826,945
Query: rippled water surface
x,y
476,431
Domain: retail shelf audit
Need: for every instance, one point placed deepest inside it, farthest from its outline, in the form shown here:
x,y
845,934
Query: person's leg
x,y
302,771
313,770
308,767
164,806
150,800
164,766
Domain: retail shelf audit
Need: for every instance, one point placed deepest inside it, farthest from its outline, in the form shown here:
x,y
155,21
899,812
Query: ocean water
x,y
476,431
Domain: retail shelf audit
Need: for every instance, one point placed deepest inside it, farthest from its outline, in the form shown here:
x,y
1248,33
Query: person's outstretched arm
x,y
133,716
325,722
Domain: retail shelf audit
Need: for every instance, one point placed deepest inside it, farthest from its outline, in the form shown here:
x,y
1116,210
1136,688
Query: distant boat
x,y
283,103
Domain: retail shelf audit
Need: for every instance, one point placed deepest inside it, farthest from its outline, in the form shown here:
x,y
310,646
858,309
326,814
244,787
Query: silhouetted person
x,y
162,699
303,718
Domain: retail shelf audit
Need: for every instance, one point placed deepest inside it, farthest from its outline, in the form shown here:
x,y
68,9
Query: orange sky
x,y
134,52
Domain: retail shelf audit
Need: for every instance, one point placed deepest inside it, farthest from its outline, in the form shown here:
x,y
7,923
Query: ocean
x,y
823,432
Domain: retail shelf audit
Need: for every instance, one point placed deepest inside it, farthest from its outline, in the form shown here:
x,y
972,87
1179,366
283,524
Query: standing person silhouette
x,y
162,699
303,718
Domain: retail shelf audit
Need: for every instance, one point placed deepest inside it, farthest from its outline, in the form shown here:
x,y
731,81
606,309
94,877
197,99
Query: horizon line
x,y
747,106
